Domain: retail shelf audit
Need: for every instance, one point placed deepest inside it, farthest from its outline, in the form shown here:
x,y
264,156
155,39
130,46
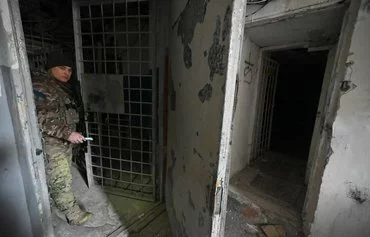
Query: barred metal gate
x,y
115,55
39,44
265,107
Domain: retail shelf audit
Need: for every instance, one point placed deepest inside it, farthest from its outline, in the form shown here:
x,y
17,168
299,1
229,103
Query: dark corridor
x,y
281,169
297,96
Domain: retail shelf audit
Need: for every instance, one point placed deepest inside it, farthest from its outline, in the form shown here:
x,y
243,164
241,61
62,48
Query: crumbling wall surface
x,y
246,89
198,55
344,201
279,8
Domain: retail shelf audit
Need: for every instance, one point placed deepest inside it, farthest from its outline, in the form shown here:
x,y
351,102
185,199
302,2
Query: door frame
x,y
223,170
257,95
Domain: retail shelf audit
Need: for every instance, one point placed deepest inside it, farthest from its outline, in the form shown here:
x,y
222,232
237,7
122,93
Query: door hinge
x,y
218,199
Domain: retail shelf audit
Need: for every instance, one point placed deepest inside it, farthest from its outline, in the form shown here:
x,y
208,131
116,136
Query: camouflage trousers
x,y
58,171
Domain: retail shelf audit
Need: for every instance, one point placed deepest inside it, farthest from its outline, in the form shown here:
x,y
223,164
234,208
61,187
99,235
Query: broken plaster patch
x,y
192,14
217,53
227,24
205,93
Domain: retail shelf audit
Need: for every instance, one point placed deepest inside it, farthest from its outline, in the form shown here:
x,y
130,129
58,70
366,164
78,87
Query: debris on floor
x,y
273,231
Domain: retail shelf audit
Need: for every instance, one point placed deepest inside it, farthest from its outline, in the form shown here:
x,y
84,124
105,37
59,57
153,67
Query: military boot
x,y
76,216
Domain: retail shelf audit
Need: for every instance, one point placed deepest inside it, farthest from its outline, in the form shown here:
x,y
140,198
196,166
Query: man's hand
x,y
76,138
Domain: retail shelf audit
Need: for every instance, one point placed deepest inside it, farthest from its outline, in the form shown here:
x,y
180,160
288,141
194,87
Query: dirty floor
x,y
111,212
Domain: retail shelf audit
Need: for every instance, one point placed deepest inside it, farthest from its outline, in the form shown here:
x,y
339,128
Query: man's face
x,y
62,73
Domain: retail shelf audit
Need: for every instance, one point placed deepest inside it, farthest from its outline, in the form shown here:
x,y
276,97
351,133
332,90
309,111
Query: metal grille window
x,y
115,38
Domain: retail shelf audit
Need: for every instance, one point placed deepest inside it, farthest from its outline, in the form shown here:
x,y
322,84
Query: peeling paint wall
x,y
246,92
198,53
344,201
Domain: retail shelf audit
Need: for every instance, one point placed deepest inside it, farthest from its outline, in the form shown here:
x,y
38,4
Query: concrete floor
x,y
111,212
271,191
118,216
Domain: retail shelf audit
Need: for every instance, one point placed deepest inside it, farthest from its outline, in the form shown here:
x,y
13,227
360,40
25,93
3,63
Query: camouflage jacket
x,y
56,109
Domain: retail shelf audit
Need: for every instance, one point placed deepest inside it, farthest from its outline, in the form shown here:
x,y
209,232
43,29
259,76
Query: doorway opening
x,y
295,57
289,96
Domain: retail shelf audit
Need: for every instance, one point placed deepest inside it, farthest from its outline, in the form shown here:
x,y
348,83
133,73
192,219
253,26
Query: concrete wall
x,y
344,201
14,215
246,89
198,54
24,201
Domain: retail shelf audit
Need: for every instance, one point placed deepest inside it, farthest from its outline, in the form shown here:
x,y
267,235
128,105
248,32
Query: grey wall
x,y
14,216
25,209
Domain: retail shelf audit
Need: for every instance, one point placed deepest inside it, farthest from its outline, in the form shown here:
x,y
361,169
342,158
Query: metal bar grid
x,y
38,45
115,39
265,107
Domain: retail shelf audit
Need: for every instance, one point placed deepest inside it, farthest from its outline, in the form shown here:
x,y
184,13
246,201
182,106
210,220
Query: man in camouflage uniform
x,y
57,117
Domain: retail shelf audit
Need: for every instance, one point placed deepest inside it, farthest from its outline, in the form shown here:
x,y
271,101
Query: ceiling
x,y
316,29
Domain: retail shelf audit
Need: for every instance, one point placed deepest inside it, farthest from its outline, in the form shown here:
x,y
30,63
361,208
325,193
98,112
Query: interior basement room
x,y
199,118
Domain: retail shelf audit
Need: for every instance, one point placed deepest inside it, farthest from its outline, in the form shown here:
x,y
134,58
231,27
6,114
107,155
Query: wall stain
x,y
173,96
175,223
201,220
205,93
183,217
197,153
359,195
191,201
216,61
217,53
227,24
192,14
236,96
184,168
366,6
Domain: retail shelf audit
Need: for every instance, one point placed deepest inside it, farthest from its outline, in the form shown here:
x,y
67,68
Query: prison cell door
x,y
114,55
265,107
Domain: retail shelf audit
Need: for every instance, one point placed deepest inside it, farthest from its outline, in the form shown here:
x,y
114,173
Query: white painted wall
x,y
347,173
242,139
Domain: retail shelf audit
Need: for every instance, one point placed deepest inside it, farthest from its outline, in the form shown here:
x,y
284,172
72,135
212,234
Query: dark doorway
x,y
297,96
290,98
